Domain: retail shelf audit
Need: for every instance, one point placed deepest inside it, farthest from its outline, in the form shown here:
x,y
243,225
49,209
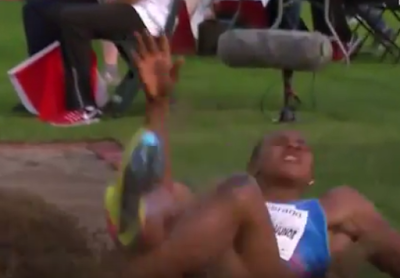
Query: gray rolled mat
x,y
289,49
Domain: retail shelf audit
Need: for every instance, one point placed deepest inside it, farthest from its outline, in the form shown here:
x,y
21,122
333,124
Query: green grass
x,y
354,129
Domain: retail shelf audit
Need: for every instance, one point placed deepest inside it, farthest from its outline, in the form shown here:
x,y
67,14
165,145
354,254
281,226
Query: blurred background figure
x,y
200,11
110,56
373,16
39,33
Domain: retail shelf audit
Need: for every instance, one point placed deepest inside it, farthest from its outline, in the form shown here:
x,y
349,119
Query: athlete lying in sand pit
x,y
248,227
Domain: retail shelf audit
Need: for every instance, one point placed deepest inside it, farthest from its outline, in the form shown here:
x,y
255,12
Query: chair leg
x,y
358,26
391,47
395,13
387,42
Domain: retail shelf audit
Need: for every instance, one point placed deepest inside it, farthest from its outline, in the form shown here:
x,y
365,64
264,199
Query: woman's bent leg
x,y
235,218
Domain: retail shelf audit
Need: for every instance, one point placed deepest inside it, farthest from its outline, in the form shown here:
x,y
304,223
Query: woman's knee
x,y
182,194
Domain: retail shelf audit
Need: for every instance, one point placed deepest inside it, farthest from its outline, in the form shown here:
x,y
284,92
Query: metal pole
x,y
278,19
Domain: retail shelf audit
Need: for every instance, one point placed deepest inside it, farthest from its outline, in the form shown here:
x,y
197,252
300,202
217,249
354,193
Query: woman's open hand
x,y
158,72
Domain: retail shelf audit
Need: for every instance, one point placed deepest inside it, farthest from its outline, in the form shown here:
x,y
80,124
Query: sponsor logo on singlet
x,y
289,223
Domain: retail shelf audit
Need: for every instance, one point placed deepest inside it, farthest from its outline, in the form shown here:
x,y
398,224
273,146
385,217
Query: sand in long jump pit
x,y
71,177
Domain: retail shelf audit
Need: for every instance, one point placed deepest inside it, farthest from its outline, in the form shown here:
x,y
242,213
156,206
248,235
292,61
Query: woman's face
x,y
286,155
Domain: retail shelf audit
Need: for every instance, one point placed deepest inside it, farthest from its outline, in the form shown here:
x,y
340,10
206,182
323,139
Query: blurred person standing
x,y
110,58
39,32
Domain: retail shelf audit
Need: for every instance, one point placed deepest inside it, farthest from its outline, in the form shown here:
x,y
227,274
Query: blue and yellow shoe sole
x,y
139,175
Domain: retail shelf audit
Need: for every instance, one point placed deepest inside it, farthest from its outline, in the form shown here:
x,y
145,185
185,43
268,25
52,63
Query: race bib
x,y
289,223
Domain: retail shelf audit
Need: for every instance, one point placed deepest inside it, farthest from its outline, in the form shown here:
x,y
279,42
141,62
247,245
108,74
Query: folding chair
x,y
389,43
394,10
130,85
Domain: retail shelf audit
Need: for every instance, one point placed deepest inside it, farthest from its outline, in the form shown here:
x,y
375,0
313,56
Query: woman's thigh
x,y
229,265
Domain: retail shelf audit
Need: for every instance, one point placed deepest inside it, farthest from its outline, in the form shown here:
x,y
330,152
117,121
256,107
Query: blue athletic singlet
x,y
302,236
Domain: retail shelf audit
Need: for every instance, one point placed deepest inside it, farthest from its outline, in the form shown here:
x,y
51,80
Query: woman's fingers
x,y
136,58
152,46
141,48
164,44
174,73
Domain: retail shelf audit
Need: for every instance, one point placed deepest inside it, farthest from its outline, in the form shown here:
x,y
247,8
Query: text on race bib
x,y
289,223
